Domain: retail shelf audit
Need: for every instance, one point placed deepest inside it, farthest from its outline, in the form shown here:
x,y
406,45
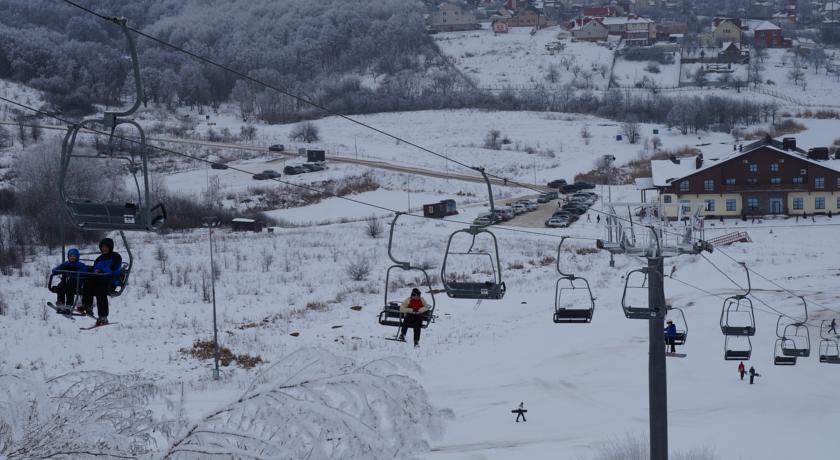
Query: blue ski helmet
x,y
73,252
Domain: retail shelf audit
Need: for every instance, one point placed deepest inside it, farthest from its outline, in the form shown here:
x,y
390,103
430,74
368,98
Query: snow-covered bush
x,y
313,404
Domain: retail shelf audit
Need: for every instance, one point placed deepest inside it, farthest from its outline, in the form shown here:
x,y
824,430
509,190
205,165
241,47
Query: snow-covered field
x,y
819,88
631,73
519,59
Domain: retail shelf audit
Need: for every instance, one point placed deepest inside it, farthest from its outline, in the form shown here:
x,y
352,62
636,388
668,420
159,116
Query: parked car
x,y
218,166
270,174
581,185
556,183
519,208
529,205
259,176
277,148
505,213
312,167
571,188
561,213
546,197
575,208
484,219
558,222
293,170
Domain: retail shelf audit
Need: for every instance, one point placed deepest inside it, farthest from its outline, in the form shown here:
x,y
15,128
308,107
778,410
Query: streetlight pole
x,y
210,223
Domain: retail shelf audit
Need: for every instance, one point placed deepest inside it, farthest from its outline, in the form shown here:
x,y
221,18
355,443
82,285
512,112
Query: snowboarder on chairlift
x,y
71,272
671,336
520,412
742,370
107,269
753,374
833,326
415,309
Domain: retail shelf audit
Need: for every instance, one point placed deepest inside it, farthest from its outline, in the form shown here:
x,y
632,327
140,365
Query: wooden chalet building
x,y
763,178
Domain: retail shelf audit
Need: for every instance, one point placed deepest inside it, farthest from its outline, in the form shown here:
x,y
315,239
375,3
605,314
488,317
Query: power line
x,y
713,294
305,187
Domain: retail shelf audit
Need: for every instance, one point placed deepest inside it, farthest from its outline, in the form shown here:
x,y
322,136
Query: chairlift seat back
x,y
784,360
741,331
737,355
128,216
573,315
680,338
466,290
794,351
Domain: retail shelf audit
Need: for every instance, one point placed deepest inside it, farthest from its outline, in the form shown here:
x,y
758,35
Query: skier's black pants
x,y
66,291
752,377
97,286
742,375
520,414
832,329
672,342
415,322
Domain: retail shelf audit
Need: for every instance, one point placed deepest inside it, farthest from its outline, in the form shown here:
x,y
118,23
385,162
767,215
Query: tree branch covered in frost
x,y
313,404
77,415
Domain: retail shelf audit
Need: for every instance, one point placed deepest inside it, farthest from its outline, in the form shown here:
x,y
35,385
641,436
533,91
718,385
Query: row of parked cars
x,y
576,205
505,213
289,171
562,186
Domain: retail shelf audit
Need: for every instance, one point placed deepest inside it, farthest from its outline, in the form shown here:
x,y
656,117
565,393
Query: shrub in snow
x,y
306,132
358,270
313,404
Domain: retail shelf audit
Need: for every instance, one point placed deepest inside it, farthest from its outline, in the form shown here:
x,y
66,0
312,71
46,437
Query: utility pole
x,y
210,223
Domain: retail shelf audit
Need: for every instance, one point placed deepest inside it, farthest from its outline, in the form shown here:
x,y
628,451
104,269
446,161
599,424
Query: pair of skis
x,y
71,313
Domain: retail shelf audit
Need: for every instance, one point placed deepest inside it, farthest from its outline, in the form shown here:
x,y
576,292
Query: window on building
x,y
797,180
798,203
838,182
666,198
752,180
775,180
819,202
752,203
729,181
774,167
819,182
838,202
709,185
731,204
684,186
685,206
753,167
710,205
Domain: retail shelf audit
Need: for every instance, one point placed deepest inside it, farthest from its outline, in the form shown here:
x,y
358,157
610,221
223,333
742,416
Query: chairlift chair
x,y
829,347
796,336
89,215
737,317
492,289
584,306
88,259
731,352
780,358
635,312
390,314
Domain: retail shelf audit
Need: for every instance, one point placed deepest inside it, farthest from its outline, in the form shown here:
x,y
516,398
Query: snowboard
x,y
676,355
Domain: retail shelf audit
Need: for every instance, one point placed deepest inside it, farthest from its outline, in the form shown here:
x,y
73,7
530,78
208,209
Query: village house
x,y
635,30
449,17
722,30
763,178
590,29
518,13
763,33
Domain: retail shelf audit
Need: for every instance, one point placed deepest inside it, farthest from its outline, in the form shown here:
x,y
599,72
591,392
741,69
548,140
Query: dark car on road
x,y
218,166
259,176
277,148
575,208
270,174
293,170
557,183
312,167
570,188
581,185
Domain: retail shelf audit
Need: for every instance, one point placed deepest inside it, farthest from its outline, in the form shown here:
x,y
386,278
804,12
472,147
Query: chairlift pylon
x,y
390,314
90,215
737,316
569,283
829,351
494,289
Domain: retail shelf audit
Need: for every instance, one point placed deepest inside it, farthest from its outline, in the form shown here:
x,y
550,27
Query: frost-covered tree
x,y
313,404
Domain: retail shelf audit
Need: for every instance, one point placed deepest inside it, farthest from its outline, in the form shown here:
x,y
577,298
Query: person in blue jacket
x,y
671,336
107,269
72,273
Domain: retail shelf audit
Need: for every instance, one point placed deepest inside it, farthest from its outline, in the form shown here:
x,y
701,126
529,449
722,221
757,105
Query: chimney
x,y
819,153
789,143
698,162
673,159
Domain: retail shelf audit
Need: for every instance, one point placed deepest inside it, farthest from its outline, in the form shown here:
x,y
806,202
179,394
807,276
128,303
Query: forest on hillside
x,y
350,55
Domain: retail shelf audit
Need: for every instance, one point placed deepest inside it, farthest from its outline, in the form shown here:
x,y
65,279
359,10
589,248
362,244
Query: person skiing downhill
x,y
671,336
753,374
742,370
833,326
414,310
71,272
107,269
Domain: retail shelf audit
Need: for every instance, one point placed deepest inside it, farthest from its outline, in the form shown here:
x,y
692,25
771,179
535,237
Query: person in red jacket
x,y
742,370
414,310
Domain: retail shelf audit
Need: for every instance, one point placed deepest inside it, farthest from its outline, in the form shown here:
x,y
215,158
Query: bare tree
x,y
359,269
493,140
585,134
631,130
306,132
656,142
5,138
374,227
553,75
755,72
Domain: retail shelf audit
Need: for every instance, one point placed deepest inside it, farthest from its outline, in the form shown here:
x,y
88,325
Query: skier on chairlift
x,y
71,281
414,308
107,269
671,336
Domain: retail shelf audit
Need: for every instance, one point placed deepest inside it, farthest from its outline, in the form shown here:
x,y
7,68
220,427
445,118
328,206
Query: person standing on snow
x,y
742,370
520,412
671,336
414,310
753,374
71,272
107,269
833,326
